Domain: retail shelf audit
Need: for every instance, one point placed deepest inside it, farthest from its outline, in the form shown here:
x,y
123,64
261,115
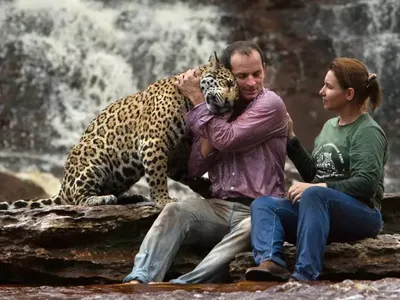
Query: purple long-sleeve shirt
x,y
250,151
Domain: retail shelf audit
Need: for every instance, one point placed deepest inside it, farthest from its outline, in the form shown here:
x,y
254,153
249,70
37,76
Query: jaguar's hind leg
x,y
155,169
91,199
85,195
89,188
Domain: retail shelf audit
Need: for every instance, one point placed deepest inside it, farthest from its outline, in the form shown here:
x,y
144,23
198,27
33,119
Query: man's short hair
x,y
241,47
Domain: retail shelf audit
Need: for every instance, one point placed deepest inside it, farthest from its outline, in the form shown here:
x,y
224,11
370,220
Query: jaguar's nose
x,y
210,98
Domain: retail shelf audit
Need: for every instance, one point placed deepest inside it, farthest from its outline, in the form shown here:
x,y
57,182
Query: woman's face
x,y
333,95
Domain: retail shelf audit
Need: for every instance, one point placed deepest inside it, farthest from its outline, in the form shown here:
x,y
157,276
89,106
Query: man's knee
x,y
243,234
245,225
172,211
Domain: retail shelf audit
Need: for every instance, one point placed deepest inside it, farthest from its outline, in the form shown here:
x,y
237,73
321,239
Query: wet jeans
x,y
322,215
216,223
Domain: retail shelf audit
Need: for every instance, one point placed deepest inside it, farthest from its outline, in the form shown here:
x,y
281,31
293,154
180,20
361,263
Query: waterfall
x,y
369,30
73,57
62,61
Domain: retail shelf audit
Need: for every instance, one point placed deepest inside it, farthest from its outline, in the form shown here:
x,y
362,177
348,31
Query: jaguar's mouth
x,y
211,98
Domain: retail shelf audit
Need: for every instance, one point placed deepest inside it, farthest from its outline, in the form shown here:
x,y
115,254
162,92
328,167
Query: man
x,y
244,158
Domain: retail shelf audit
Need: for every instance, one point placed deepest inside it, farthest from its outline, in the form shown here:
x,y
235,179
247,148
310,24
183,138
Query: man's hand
x,y
296,190
189,85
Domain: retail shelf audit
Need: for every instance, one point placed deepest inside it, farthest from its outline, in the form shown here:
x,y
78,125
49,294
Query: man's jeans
x,y
212,222
322,215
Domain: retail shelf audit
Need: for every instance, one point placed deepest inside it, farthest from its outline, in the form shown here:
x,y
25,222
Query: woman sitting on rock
x,y
340,199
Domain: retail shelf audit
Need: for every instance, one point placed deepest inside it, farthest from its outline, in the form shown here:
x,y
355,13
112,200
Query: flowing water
x,y
370,30
78,56
347,290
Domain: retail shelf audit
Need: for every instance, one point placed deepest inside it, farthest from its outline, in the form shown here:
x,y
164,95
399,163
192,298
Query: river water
x,y
388,288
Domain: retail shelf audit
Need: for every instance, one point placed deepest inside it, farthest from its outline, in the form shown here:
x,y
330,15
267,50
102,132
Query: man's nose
x,y
251,81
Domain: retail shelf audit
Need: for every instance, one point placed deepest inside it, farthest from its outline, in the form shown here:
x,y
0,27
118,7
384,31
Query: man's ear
x,y
213,61
264,68
350,94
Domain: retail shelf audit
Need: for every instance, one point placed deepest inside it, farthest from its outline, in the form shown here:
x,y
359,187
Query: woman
x,y
340,199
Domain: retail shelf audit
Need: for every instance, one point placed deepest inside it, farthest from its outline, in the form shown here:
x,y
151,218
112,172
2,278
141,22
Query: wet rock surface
x,y
77,245
90,245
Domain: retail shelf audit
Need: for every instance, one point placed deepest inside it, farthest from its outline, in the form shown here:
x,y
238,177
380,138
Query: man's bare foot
x,y
133,282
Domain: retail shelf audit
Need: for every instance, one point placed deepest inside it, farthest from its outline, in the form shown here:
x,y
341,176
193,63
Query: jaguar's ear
x,y
213,61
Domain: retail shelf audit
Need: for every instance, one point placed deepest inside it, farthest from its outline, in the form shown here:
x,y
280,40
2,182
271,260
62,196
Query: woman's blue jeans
x,y
322,215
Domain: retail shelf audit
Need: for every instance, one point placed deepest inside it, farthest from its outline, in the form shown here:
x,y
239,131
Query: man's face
x,y
249,73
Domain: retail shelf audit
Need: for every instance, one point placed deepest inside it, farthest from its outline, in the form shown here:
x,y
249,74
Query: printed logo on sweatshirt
x,y
330,162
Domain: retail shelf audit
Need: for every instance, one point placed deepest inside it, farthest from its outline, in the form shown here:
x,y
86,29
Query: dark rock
x,y
366,259
70,244
87,245
391,213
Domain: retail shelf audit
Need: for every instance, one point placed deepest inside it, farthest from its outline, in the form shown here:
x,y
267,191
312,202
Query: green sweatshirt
x,y
349,158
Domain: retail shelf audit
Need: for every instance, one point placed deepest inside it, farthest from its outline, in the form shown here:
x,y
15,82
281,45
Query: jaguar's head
x,y
218,86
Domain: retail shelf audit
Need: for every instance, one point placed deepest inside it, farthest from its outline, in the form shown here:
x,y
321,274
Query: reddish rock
x,y
13,188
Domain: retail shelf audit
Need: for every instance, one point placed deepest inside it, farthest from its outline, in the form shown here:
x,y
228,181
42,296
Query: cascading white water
x,y
80,55
73,57
369,30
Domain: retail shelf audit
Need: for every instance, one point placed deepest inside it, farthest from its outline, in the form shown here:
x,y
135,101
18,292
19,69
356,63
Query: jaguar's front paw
x,y
101,200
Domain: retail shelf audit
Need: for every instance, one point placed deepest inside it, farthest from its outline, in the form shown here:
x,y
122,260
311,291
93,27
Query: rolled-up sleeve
x,y
264,118
195,118
199,165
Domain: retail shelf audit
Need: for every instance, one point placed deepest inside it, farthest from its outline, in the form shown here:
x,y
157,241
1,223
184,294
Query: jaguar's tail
x,y
31,204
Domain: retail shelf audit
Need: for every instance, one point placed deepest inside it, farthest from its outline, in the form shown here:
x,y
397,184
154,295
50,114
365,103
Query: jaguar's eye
x,y
229,83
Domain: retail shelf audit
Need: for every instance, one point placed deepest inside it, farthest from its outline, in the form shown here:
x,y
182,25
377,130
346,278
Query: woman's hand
x,y
189,85
296,190
290,127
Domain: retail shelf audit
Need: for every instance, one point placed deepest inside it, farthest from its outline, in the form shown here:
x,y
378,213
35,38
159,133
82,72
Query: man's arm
x,y
265,118
203,154
206,147
201,157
